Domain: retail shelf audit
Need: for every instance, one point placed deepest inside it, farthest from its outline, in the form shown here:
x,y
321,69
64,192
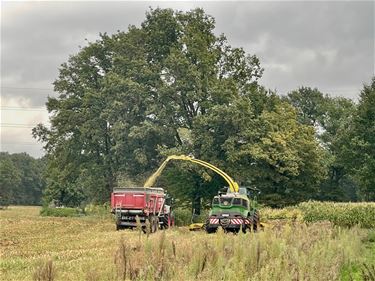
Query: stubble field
x,y
89,248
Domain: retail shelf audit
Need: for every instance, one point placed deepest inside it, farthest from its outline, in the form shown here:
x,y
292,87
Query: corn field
x,y
340,214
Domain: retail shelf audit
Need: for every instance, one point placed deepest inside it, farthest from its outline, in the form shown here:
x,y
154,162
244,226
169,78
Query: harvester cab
x,y
234,211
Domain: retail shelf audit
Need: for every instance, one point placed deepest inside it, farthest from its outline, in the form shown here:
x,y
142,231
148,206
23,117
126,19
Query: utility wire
x,y
26,88
17,125
15,108
19,143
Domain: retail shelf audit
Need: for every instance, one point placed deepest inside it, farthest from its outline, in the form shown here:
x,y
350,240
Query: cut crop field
x,y
89,248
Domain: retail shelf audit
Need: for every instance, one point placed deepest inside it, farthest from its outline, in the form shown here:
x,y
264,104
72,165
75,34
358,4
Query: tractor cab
x,y
234,210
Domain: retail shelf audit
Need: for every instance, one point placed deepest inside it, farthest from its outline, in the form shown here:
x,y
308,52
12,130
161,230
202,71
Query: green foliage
x,y
21,179
358,146
60,212
98,210
171,86
9,180
332,118
371,236
310,104
347,133
272,151
182,217
126,98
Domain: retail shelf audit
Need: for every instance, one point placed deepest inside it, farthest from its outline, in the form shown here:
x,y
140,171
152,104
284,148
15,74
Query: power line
x,y
17,125
19,143
6,106
26,88
19,108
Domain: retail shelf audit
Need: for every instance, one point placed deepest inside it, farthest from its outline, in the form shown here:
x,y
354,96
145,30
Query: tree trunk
x,y
196,202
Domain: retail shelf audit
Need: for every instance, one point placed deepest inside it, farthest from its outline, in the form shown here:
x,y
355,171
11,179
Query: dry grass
x,y
89,248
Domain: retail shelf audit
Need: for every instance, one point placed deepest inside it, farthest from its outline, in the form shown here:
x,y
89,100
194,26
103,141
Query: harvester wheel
x,y
244,228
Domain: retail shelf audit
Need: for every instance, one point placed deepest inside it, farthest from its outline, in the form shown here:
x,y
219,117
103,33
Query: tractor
x,y
234,211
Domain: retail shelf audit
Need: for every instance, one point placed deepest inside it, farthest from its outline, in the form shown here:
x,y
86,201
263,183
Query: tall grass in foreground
x,y
300,252
88,248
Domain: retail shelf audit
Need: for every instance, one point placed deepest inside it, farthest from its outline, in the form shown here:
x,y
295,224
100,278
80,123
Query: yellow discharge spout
x,y
151,180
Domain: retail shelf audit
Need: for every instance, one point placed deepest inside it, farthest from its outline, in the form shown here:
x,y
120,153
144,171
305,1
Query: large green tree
x,y
125,99
331,118
271,150
9,180
358,144
21,179
310,104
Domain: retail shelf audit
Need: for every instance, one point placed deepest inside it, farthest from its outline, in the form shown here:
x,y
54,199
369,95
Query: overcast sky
x,y
328,45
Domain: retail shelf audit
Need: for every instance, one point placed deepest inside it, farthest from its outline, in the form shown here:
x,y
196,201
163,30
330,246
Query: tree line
x,y
172,86
21,179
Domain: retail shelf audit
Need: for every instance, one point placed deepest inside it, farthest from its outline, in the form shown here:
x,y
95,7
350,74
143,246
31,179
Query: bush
x,y
60,212
184,217
98,210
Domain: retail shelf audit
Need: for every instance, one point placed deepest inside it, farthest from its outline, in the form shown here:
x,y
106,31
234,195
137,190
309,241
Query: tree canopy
x,y
21,179
172,86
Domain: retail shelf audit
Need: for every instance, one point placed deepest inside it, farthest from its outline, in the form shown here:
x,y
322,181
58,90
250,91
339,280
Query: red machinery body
x,y
150,204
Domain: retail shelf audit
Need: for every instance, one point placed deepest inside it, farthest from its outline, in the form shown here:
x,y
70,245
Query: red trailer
x,y
146,203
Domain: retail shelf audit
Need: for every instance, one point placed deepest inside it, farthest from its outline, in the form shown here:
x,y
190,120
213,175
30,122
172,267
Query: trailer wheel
x,y
165,222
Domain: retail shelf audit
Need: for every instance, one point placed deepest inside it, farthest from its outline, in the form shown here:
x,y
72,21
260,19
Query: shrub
x,y
98,210
182,217
60,212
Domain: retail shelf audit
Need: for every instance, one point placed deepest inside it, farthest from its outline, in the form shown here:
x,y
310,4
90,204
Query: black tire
x,y
244,228
210,230
164,221
207,227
